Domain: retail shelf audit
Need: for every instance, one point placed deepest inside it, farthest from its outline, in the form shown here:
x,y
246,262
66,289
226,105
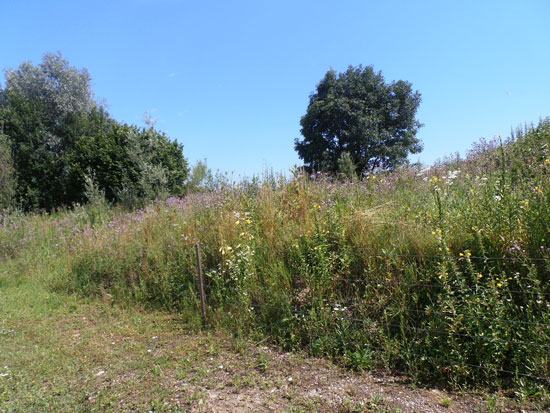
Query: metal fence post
x,y
201,284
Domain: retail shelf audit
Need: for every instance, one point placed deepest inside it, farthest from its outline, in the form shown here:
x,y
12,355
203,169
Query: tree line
x,y
58,144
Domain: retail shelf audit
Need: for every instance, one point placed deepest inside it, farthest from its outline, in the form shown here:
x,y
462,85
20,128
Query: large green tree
x,y
60,138
357,114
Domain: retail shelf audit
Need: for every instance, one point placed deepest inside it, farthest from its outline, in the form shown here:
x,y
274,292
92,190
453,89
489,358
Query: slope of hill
x,y
439,273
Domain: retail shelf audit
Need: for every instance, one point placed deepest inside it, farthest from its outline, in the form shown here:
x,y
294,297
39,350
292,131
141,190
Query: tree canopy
x,y
359,114
59,138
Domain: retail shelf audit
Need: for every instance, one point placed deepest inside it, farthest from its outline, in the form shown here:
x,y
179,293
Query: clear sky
x,y
231,79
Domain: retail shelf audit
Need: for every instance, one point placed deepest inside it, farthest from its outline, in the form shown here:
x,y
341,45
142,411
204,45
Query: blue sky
x,y
231,79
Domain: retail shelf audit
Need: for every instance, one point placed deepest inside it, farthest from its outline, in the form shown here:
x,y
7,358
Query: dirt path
x,y
288,382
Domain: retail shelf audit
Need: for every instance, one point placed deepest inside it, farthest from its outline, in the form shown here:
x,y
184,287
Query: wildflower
x,y
499,284
237,222
225,250
547,162
248,221
479,275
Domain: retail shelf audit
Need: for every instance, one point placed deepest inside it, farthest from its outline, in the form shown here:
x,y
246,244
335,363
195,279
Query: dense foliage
x,y
357,114
60,138
7,173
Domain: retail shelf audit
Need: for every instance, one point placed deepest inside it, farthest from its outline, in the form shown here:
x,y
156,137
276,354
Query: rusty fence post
x,y
201,284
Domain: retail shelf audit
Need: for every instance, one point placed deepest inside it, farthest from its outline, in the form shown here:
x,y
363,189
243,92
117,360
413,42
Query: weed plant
x,y
443,273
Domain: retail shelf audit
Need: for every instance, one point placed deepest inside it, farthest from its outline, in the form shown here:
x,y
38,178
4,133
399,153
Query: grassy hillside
x,y
440,273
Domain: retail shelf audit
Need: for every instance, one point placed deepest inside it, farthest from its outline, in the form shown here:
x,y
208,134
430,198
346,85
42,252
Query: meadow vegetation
x,y
441,273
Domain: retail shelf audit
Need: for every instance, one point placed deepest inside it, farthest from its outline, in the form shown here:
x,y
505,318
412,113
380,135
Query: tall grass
x,y
442,273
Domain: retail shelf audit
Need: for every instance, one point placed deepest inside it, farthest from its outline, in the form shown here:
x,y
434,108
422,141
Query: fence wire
x,y
449,361
428,330
459,257
293,306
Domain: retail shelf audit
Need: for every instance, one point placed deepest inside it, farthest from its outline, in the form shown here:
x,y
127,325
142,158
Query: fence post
x,y
201,284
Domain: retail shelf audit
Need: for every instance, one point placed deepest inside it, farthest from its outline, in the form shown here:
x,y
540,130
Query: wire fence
x,y
367,315
435,331
460,257
403,351
430,312
451,361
